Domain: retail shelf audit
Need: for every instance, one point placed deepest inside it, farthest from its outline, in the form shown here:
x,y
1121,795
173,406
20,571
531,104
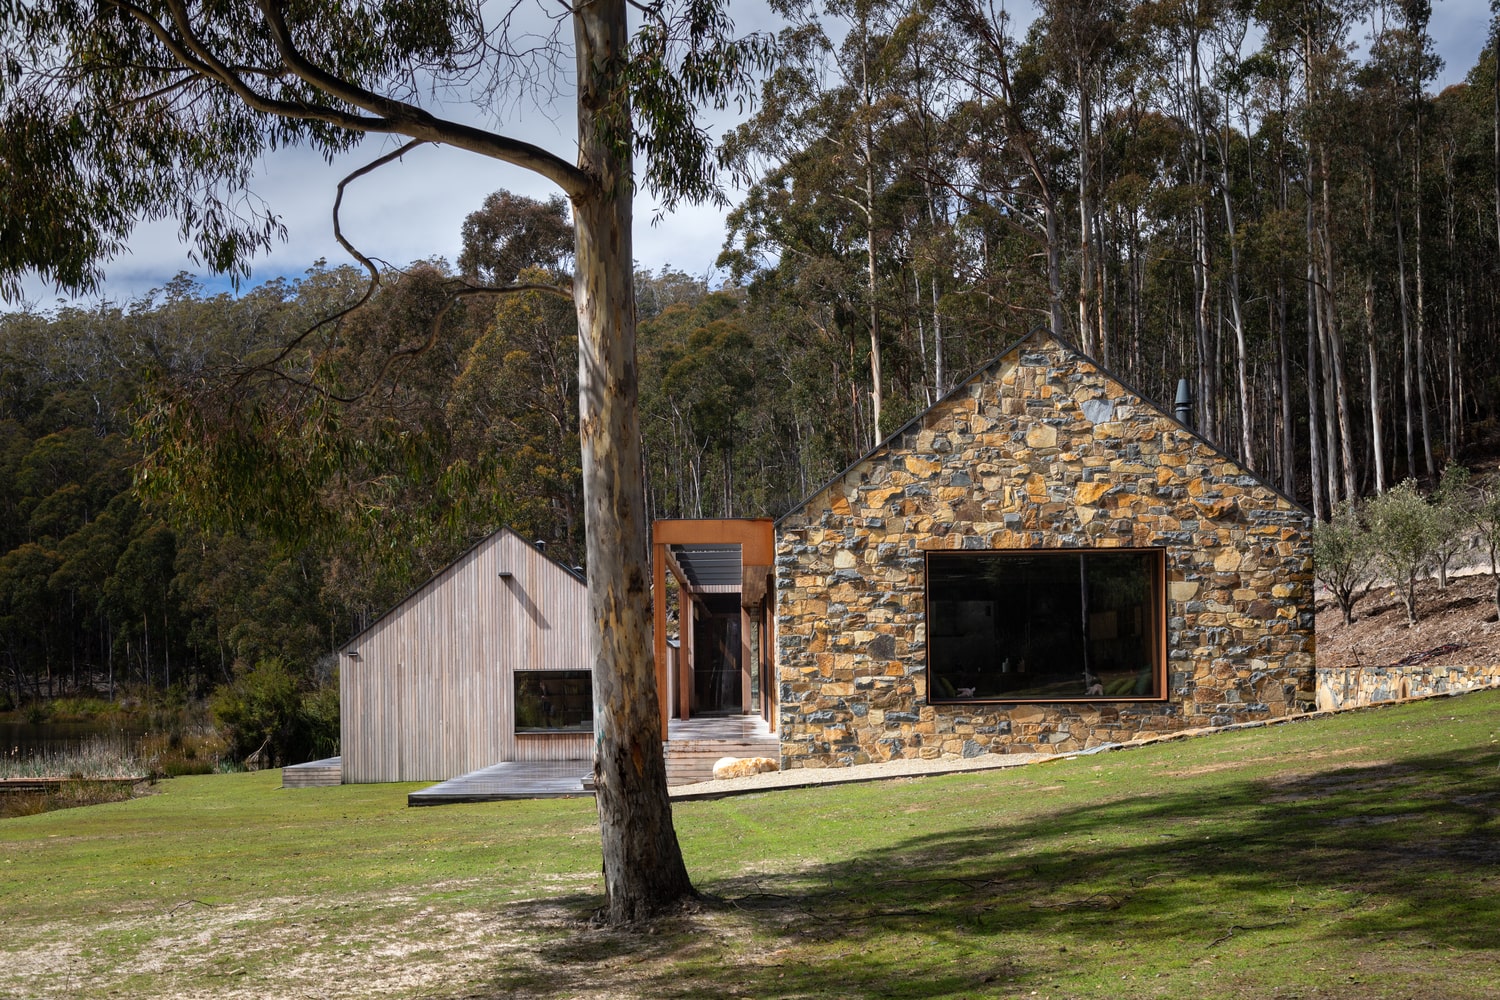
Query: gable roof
x,y
453,567
987,369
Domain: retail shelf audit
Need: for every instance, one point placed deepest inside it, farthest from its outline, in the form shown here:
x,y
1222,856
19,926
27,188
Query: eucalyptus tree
x,y
823,142
131,109
1079,41
1013,163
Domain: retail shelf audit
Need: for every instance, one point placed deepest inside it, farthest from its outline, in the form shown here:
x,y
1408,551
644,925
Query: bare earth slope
x,y
1455,626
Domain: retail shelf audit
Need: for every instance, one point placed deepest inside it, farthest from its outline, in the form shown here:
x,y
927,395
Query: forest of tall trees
x,y
1266,198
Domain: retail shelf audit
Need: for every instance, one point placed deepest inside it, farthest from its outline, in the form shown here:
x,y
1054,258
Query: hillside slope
x,y
1455,626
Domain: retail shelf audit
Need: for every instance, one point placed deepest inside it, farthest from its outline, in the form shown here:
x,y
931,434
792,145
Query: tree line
x,y
1225,192
1264,197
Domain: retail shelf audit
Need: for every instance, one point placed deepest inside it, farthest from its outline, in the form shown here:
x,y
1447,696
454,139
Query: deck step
x,y
690,761
314,774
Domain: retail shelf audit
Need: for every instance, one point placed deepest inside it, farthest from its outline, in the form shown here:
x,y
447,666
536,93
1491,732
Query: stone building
x,y
1042,561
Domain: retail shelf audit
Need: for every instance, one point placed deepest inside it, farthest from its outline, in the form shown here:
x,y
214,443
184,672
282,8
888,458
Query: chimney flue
x,y
541,545
1184,409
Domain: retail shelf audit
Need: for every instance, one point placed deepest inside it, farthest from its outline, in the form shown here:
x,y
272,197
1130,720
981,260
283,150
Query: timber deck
x,y
314,774
511,779
47,785
692,748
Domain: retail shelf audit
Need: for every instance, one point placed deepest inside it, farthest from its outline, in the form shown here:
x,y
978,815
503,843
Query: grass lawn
x,y
1351,857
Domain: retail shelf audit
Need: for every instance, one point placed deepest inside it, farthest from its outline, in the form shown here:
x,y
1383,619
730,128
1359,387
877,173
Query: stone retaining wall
x,y
1350,687
1040,450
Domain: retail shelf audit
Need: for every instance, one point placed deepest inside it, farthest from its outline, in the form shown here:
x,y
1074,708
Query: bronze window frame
x,y
1153,561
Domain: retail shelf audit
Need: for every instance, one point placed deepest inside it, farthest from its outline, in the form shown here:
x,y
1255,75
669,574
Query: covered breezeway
x,y
723,662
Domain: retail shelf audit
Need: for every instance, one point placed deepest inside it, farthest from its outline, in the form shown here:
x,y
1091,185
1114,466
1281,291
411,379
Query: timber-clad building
x,y
486,662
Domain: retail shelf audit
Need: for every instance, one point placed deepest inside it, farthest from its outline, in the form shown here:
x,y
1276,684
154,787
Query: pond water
x,y
27,739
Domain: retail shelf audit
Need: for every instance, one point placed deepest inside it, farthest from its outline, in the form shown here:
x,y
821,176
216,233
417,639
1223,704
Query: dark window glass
x,y
554,701
1053,625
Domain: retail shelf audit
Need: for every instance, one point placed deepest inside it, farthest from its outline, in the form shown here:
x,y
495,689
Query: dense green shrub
x,y
260,712
320,712
264,710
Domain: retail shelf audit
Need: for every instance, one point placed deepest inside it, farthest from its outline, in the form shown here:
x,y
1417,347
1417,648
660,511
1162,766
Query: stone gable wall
x,y
1043,450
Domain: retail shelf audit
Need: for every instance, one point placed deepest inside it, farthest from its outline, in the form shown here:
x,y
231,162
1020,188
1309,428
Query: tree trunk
x,y
1241,357
1086,274
644,872
1314,431
877,380
1054,266
1421,315
1284,382
1338,382
1372,357
1406,358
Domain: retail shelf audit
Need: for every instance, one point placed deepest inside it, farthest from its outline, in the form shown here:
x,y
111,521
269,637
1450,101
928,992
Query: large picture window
x,y
554,701
1045,625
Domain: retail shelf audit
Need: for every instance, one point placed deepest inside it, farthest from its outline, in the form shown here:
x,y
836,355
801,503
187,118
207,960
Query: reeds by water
x,y
96,757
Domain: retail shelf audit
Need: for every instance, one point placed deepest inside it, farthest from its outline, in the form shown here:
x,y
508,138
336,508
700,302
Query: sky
x,y
414,209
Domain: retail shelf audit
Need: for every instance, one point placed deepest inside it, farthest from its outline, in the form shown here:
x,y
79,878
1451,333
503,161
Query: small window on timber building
x,y
554,701
1046,625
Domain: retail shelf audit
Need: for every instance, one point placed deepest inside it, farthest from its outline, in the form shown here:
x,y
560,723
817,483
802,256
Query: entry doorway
x,y
717,679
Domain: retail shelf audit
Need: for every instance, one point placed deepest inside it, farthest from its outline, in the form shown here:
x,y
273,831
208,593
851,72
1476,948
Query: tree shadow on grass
x,y
1407,854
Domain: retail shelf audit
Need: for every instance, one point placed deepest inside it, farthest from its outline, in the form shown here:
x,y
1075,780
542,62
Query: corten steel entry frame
x,y
756,538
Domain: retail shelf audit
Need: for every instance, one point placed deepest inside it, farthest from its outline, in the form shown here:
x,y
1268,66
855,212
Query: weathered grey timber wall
x,y
1040,450
429,696
1351,687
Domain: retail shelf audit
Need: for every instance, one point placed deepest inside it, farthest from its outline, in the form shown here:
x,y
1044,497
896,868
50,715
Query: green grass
x,y
1351,857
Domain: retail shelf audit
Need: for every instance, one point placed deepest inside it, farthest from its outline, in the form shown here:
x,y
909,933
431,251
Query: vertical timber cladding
x,y
429,694
1040,450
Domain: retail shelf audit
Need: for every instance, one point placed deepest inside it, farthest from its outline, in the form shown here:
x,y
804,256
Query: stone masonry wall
x,y
1042,450
1350,687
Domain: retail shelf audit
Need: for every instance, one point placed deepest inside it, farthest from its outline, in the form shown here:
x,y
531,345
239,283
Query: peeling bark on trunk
x,y
1372,357
1406,359
644,873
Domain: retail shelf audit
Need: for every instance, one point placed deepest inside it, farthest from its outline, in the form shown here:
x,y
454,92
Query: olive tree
x,y
1403,533
115,111
1453,510
1487,522
1343,559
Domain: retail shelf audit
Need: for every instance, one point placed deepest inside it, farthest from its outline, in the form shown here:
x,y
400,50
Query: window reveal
x,y
1046,625
554,701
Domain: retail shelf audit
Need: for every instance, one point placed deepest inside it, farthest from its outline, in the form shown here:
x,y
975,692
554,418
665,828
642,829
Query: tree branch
x,y
416,122
390,116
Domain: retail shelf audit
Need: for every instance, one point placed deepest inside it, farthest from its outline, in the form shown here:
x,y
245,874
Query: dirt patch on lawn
x,y
1454,626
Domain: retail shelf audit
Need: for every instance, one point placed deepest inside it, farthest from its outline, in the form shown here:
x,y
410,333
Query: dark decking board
x,y
511,779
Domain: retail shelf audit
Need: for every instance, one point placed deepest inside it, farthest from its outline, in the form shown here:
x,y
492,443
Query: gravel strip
x,y
805,777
